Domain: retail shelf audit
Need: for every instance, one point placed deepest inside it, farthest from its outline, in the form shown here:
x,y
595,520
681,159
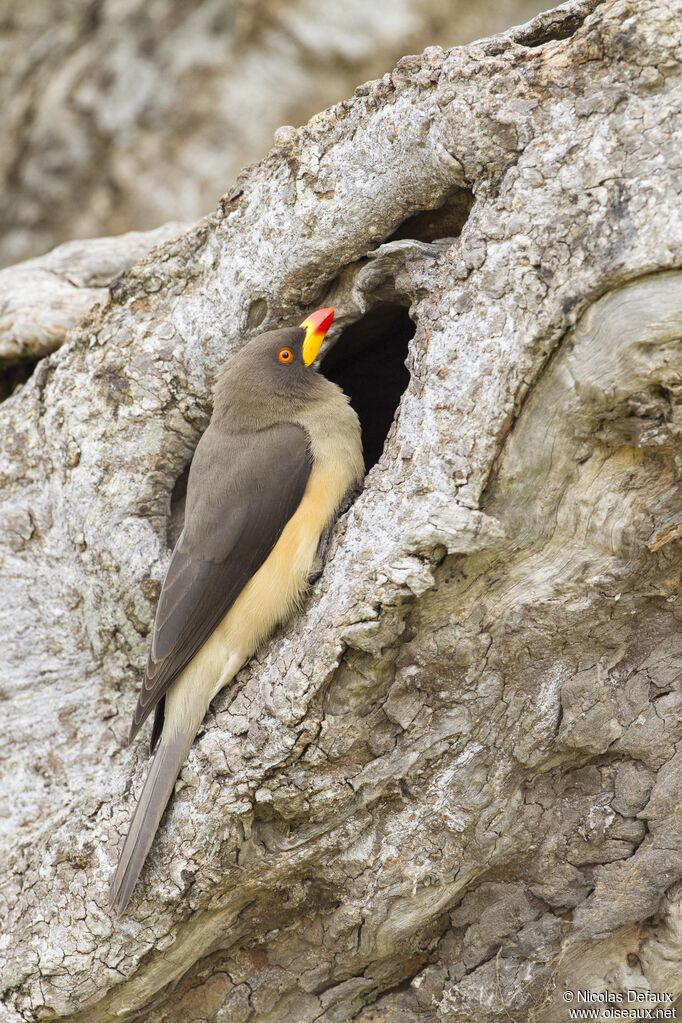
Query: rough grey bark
x,y
450,788
43,298
124,115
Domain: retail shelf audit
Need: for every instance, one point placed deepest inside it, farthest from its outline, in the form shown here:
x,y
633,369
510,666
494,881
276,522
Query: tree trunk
x,y
122,115
447,790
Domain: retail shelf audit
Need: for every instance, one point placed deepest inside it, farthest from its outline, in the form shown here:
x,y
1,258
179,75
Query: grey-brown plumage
x,y
268,476
227,537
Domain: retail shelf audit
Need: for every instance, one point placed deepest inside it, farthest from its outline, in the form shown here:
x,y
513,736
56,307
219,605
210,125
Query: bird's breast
x,y
279,584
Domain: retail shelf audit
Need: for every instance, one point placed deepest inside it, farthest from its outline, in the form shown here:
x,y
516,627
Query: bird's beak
x,y
316,326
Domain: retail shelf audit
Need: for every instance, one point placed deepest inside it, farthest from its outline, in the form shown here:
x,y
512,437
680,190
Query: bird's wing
x,y
242,491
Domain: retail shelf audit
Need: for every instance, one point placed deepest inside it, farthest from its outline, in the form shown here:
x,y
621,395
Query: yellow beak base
x,y
311,346
316,326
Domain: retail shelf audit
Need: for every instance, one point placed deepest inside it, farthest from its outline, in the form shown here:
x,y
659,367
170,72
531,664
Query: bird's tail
x,y
157,790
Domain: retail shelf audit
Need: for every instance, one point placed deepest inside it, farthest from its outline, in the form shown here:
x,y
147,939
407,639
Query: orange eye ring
x,y
285,355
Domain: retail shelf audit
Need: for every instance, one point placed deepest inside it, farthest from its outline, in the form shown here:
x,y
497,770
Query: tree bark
x,y
449,788
116,115
42,299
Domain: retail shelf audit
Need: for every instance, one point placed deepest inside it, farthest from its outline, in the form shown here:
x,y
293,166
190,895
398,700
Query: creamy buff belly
x,y
270,595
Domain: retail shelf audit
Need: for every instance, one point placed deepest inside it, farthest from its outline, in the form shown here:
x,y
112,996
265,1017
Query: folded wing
x,y
241,493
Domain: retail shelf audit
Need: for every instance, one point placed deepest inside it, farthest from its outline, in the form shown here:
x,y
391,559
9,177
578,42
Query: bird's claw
x,y
318,565
315,574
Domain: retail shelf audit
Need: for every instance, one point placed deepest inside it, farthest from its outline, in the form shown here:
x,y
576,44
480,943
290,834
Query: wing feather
x,y
242,491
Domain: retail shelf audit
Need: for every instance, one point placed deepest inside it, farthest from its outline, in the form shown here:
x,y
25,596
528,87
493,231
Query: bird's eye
x,y
285,355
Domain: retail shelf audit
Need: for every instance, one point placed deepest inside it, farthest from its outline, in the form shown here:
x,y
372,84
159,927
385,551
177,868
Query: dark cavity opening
x,y
14,375
368,363
546,32
446,221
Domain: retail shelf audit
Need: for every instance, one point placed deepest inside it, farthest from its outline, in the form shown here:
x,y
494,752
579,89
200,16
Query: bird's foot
x,y
317,567
315,572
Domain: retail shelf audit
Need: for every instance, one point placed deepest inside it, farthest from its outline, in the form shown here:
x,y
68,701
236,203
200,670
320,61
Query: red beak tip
x,y
323,319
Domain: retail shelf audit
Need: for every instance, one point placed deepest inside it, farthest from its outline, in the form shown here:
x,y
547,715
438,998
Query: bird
x,y
269,477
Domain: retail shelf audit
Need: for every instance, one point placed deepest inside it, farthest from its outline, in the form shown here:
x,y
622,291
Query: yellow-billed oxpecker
x,y
267,480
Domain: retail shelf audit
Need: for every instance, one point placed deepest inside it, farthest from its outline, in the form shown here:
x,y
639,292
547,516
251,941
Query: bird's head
x,y
275,366
291,351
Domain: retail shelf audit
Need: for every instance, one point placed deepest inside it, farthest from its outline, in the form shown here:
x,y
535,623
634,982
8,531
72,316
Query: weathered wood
x,y
116,116
450,787
43,298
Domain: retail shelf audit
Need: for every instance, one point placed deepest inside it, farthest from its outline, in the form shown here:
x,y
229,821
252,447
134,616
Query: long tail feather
x,y
157,790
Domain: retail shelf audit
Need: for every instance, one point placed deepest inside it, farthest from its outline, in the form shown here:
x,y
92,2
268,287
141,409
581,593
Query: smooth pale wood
x,y
451,785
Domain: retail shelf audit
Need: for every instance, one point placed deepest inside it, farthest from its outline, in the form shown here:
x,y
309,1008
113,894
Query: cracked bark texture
x,y
118,116
42,299
450,787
